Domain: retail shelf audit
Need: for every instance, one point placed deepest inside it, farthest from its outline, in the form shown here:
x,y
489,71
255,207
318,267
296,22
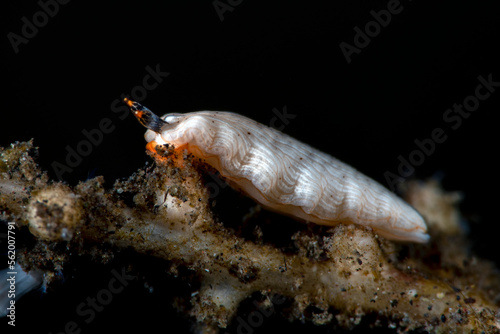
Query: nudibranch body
x,y
283,174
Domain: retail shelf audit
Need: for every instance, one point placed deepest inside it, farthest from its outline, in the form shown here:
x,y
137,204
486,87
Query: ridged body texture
x,y
288,176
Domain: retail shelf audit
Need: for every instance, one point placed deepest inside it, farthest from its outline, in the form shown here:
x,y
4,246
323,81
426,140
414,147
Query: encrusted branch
x,y
332,277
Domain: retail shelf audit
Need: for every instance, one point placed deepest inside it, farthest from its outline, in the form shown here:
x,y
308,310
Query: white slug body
x,y
288,176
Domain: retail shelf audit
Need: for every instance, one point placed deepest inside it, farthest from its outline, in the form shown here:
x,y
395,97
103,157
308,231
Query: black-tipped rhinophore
x,y
145,116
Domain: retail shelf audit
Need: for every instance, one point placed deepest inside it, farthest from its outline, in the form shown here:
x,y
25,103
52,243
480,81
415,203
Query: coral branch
x,y
333,276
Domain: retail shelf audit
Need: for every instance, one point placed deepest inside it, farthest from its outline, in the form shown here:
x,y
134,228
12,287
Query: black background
x,y
261,56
